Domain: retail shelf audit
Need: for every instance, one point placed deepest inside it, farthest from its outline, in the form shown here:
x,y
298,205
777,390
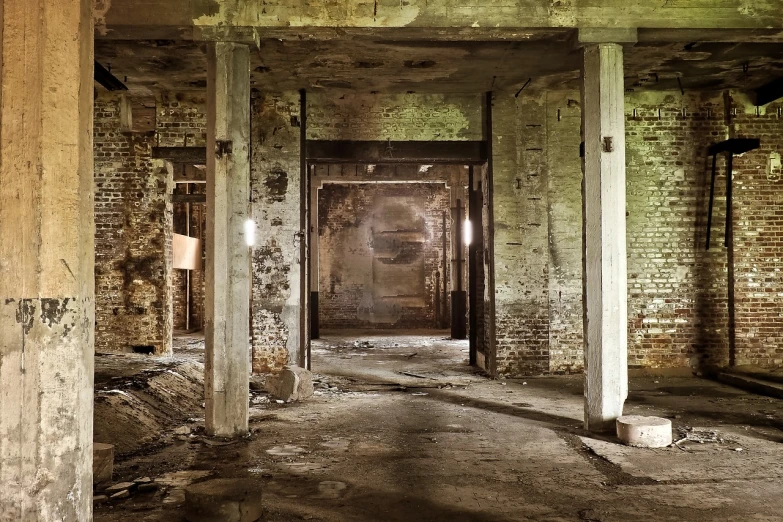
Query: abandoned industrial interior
x,y
418,260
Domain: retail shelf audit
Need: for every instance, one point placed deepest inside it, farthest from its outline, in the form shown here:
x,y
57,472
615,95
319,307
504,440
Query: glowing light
x,y
467,233
250,232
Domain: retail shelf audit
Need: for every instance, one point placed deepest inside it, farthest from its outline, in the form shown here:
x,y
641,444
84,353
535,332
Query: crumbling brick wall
x,y
132,238
136,286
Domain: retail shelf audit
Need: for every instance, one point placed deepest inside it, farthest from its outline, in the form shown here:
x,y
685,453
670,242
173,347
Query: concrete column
x,y
605,299
47,310
227,368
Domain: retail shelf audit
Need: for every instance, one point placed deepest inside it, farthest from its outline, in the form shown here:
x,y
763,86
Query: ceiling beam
x,y
207,19
105,78
374,152
187,155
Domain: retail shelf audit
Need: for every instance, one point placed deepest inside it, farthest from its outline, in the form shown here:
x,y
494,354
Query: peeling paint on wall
x,y
400,117
275,207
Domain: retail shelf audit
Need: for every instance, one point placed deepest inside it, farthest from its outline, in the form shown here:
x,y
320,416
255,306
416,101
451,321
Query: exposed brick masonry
x,y
132,238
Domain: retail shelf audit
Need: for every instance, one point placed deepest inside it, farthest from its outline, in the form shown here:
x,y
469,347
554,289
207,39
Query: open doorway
x,y
390,266
188,251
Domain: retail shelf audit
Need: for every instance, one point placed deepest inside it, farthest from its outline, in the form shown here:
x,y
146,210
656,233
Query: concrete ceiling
x,y
441,63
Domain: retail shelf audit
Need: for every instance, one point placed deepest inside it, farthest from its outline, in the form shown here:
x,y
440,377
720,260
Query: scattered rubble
x,y
293,384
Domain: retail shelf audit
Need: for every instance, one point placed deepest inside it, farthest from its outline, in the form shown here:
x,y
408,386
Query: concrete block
x,y
644,432
102,464
223,500
293,384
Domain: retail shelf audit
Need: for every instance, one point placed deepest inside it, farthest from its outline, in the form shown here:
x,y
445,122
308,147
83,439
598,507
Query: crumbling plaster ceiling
x,y
442,63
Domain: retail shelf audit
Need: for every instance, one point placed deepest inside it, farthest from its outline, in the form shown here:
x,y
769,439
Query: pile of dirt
x,y
139,409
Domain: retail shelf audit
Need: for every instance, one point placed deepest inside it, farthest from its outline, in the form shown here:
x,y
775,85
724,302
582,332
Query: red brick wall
x,y
676,289
758,239
132,238
135,283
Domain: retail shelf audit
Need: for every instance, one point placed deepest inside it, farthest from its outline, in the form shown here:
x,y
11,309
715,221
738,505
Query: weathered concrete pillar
x,y
605,299
227,368
46,260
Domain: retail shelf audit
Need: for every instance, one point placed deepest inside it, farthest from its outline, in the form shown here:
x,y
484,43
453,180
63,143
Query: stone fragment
x,y
182,430
644,432
99,499
293,384
223,500
142,480
118,487
256,383
146,488
120,495
102,464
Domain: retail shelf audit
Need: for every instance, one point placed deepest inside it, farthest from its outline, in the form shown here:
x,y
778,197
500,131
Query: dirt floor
x,y
402,429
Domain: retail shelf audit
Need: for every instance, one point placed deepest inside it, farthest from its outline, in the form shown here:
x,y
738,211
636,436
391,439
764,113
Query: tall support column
x,y
227,368
605,297
47,311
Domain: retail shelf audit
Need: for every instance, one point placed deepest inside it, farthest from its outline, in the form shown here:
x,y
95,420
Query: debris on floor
x,y
293,384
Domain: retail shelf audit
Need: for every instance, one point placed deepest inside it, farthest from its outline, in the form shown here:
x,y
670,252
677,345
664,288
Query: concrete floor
x,y
401,428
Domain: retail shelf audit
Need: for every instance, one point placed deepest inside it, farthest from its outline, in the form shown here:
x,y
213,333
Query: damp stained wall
x,y
380,248
395,117
275,198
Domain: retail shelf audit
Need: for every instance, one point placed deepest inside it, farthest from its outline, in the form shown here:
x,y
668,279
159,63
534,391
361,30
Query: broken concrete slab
x,y
102,464
120,495
644,432
293,384
223,500
120,486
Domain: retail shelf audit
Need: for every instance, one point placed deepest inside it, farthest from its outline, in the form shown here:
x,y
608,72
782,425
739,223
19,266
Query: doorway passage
x,y
390,249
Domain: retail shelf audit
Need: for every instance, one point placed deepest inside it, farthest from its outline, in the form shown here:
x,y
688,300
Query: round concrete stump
x,y
223,500
644,432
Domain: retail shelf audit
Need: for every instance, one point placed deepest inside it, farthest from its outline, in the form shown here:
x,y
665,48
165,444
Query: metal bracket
x,y
223,147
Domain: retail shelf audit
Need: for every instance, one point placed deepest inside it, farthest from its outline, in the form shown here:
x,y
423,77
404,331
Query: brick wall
x,y
136,287
677,291
520,240
181,120
758,236
380,247
132,238
396,117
